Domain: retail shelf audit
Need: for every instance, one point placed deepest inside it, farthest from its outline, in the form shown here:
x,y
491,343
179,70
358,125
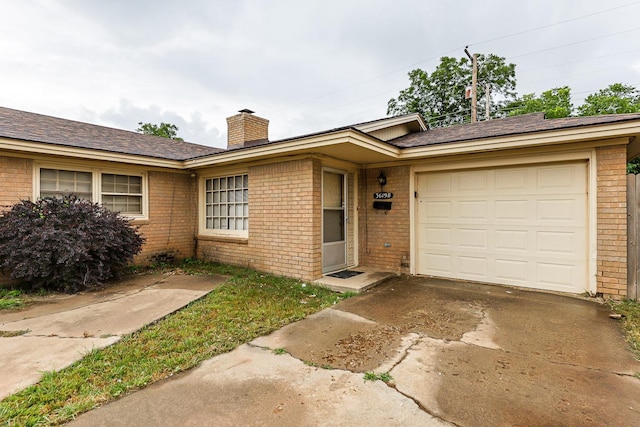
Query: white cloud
x,y
305,66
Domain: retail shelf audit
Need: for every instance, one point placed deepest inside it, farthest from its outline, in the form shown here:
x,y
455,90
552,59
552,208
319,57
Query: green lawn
x,y
630,322
11,299
249,305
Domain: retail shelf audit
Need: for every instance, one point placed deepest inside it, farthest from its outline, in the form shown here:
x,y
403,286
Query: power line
x,y
555,23
361,83
581,60
576,43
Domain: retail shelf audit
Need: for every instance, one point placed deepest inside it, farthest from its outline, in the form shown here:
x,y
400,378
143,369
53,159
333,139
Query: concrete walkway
x,y
459,354
61,330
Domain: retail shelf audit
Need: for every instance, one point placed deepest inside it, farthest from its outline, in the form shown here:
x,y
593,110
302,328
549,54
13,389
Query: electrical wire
x,y
405,67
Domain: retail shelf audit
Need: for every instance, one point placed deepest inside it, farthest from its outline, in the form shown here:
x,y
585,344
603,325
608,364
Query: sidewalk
x,y
65,327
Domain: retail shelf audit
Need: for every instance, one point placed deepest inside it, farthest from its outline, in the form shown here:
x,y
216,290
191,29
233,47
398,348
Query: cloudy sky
x,y
304,65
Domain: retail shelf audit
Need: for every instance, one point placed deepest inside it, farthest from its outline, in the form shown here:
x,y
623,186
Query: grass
x,y
11,299
630,322
249,305
372,376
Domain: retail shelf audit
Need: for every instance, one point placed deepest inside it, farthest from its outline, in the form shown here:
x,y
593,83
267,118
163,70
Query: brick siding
x,y
246,127
385,235
612,221
284,223
171,228
16,181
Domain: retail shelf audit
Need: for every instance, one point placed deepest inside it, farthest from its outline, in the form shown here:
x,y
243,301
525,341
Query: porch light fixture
x,y
382,180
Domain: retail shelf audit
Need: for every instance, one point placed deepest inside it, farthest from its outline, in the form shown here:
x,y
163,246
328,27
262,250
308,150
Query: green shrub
x,y
65,244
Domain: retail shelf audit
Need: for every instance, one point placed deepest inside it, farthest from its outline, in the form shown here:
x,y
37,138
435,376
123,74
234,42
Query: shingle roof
x,y
33,127
516,125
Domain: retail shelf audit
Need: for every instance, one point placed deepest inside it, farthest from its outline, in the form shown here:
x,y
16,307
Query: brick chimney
x,y
244,128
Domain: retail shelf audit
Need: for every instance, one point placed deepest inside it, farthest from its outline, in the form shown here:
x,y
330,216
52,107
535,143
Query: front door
x,y
334,240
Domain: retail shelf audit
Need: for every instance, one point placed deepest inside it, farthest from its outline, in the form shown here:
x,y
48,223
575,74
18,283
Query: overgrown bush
x,y
65,244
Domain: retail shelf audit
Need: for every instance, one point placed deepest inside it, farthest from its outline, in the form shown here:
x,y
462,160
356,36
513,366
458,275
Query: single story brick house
x,y
522,201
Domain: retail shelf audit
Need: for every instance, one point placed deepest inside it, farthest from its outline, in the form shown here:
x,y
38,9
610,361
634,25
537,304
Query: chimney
x,y
244,128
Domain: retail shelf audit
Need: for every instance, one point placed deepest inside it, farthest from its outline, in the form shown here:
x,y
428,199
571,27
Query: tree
x,y
555,103
439,97
618,98
165,130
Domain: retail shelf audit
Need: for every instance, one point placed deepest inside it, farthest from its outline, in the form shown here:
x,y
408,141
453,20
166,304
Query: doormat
x,y
345,274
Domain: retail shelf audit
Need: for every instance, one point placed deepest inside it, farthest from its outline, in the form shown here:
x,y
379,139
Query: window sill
x,y
224,239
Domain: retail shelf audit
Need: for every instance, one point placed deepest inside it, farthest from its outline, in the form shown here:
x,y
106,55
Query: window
x,y
122,193
116,192
55,183
227,203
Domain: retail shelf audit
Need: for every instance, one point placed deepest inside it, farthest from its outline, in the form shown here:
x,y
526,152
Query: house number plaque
x,y
382,195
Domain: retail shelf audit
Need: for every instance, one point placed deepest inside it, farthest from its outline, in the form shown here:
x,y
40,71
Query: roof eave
x,y
42,148
393,121
608,131
348,144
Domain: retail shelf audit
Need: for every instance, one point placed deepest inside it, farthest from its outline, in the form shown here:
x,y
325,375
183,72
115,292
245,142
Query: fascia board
x,y
296,146
85,153
392,121
565,136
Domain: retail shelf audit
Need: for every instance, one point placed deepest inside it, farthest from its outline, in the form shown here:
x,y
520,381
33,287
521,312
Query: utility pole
x,y
487,109
474,85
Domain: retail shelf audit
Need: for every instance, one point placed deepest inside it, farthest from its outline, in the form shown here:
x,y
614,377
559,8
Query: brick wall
x,y
171,229
612,221
377,227
16,180
16,183
284,230
284,223
245,127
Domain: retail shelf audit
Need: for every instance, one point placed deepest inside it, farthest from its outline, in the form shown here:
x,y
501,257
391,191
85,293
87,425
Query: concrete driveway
x,y
63,328
459,354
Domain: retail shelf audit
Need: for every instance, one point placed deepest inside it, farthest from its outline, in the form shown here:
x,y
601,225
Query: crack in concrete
x,y
420,405
69,336
418,339
413,339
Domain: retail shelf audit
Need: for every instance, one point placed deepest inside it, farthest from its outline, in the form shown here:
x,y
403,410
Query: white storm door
x,y
334,233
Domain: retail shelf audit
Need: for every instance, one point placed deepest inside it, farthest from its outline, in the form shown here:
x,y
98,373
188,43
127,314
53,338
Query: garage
x,y
522,226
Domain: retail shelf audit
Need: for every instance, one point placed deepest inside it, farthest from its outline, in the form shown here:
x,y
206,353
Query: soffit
x,y
348,145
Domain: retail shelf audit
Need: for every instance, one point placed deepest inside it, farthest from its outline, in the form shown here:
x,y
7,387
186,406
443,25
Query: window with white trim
x,y
122,193
117,192
55,183
227,203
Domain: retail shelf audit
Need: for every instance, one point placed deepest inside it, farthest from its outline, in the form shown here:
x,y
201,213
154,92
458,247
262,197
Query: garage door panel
x,y
435,184
509,180
524,226
510,270
469,238
557,243
512,240
558,276
438,210
472,182
436,237
565,211
512,210
472,267
556,179
437,262
472,210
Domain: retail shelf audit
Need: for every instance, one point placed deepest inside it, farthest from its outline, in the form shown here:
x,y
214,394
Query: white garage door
x,y
521,226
